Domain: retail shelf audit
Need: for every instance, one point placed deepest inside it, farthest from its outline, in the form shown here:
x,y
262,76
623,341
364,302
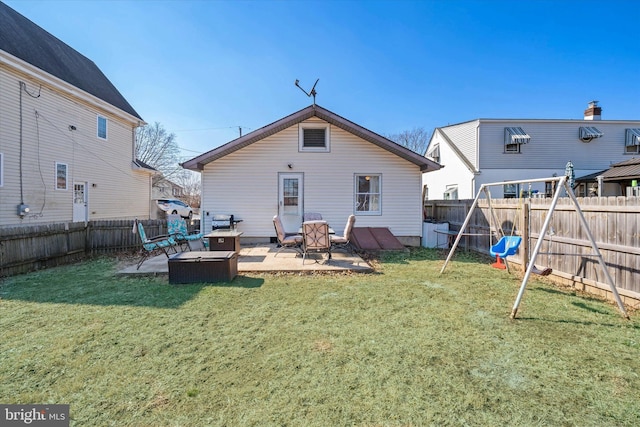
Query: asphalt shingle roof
x,y
25,40
627,169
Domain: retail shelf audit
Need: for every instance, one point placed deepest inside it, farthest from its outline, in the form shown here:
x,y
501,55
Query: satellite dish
x,y
311,93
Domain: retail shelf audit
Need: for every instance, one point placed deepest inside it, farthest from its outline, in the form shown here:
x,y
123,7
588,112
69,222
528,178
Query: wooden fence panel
x,y
614,223
31,247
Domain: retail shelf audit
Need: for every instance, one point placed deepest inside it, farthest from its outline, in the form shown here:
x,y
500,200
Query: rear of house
x,y
313,161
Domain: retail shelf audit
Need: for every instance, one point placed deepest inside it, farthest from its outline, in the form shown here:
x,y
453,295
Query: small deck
x,y
261,259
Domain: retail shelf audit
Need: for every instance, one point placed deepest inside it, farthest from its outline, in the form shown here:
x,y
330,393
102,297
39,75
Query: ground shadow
x,y
590,308
239,281
577,322
81,286
434,254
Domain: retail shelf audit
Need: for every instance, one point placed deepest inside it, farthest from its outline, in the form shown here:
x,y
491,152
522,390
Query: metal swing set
x,y
561,184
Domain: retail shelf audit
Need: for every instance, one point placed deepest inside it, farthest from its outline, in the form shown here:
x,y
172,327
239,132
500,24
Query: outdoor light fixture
x,y
290,165
72,127
23,210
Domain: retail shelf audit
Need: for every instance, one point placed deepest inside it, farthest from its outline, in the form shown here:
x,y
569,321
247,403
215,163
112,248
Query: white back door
x,y
80,205
290,197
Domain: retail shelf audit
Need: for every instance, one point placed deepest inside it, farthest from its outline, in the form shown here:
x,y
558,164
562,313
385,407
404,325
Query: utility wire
x,y
220,128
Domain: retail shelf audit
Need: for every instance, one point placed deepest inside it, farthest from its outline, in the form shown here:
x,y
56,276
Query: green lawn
x,y
404,346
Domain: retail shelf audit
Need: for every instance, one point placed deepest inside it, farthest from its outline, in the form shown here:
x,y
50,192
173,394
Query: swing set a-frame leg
x,y
563,184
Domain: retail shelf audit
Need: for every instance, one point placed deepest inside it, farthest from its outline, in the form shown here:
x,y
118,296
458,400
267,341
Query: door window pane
x,y
291,195
78,193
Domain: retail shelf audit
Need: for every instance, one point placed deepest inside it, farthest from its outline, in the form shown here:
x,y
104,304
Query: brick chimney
x,y
593,112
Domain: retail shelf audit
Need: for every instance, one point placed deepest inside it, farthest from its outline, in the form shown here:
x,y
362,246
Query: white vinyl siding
x,y
47,139
465,138
455,172
328,183
1,170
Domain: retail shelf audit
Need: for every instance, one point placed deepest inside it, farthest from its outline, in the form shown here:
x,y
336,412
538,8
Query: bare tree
x,y
415,139
159,148
190,183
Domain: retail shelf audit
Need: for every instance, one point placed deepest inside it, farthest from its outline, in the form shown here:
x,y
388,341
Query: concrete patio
x,y
262,258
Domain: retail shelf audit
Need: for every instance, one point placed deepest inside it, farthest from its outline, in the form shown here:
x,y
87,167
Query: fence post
x,y
467,208
87,237
526,229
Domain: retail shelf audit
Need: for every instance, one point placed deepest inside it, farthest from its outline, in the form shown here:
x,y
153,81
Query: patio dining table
x,y
331,231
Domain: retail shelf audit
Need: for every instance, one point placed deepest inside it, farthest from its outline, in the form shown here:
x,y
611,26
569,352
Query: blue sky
x,y
203,68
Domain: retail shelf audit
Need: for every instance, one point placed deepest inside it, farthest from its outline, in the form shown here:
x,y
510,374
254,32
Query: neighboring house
x,y
620,179
165,189
66,134
494,150
313,161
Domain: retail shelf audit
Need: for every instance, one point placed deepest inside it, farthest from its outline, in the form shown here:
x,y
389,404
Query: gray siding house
x,y
485,151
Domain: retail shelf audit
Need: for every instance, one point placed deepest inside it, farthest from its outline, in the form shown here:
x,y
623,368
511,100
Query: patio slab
x,y
261,258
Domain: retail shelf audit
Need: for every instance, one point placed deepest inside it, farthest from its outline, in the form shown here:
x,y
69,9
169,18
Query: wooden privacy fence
x,y
31,247
614,223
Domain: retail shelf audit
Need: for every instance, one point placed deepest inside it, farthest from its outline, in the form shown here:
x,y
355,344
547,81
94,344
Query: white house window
x,y
314,137
632,141
549,188
102,127
451,193
368,194
514,137
510,191
435,153
61,176
1,170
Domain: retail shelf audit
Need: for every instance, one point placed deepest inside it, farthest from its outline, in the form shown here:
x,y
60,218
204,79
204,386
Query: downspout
x,y
473,186
600,179
477,165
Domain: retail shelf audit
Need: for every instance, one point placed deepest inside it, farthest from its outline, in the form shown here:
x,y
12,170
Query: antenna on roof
x,y
310,93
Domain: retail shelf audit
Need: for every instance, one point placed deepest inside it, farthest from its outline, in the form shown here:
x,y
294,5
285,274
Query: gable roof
x,y
25,40
198,163
453,148
139,164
